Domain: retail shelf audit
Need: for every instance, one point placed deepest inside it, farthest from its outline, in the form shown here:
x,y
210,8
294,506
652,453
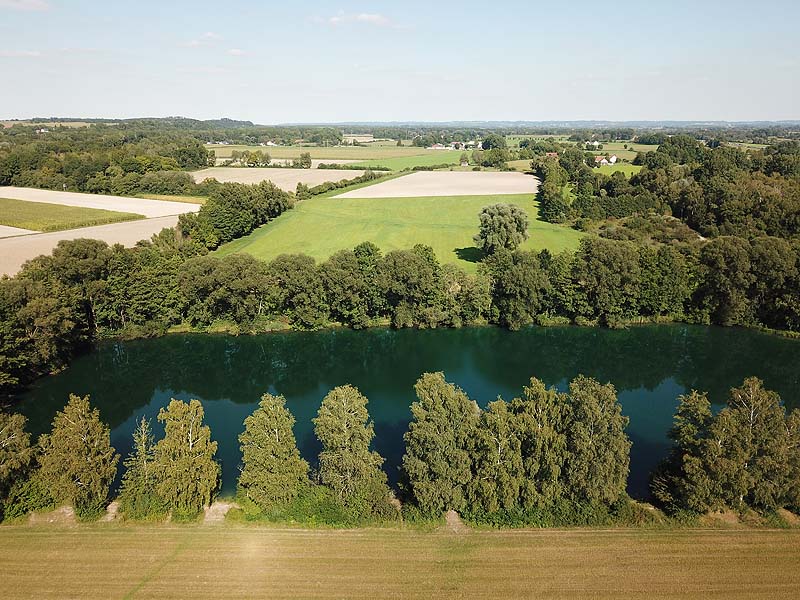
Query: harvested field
x,y
449,183
286,179
195,561
6,231
139,206
44,216
327,153
14,251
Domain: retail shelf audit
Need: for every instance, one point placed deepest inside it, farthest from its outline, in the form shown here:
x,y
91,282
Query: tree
x,y
346,464
137,497
599,451
272,471
501,226
304,162
186,473
541,419
437,465
746,453
77,461
492,141
495,449
519,287
681,480
15,449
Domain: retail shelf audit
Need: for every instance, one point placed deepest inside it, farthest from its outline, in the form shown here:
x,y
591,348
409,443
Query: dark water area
x,y
650,366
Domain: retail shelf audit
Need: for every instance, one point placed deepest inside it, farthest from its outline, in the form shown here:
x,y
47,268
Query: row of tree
x,y
59,304
544,457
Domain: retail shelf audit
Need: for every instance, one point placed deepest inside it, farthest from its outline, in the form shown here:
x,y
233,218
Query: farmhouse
x,y
599,161
551,154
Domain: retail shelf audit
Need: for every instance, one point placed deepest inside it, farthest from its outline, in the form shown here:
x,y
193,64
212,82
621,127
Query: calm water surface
x,y
650,366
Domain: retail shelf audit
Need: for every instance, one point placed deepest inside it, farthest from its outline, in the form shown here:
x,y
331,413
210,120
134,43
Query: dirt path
x,y
217,511
8,231
454,523
15,251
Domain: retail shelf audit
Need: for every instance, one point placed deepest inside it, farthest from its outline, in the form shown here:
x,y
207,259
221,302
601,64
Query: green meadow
x,y
321,226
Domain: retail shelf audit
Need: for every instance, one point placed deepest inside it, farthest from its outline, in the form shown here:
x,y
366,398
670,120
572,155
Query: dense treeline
x,y
59,304
545,458
715,190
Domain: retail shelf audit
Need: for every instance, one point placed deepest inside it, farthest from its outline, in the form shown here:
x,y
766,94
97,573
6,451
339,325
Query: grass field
x,y
321,226
330,152
398,163
626,168
226,561
43,216
171,198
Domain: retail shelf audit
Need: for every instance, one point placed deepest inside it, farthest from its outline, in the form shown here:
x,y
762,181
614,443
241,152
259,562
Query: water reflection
x,y
650,366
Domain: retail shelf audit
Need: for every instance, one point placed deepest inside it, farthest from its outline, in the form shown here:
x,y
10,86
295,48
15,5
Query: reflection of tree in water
x,y
125,377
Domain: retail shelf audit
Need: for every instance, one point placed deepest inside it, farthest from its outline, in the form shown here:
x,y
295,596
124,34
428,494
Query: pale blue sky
x,y
291,61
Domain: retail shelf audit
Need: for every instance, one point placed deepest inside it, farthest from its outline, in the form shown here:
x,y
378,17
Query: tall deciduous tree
x,y
501,226
137,497
437,465
186,472
541,422
16,452
346,464
77,460
273,472
599,451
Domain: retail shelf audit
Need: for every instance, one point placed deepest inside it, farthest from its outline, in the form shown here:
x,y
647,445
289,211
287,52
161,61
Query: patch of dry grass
x,y
104,561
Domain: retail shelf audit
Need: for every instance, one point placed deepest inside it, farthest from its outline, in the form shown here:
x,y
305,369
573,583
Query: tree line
x,y
545,458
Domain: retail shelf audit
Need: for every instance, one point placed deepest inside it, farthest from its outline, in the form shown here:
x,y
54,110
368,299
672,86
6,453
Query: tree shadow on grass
x,y
470,254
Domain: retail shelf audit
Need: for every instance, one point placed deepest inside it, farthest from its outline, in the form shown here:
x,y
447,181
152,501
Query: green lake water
x,y
649,365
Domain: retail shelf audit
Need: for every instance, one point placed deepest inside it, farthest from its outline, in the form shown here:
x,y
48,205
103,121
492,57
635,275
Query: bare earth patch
x,y
15,251
788,517
217,511
60,516
722,517
111,512
7,231
454,523
286,179
448,183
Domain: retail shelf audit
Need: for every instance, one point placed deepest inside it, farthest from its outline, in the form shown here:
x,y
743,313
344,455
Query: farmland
x,y
286,179
42,216
398,163
328,152
321,226
104,560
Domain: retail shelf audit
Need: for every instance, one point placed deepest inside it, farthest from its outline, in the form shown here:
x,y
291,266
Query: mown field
x,y
329,152
43,216
321,226
398,163
226,561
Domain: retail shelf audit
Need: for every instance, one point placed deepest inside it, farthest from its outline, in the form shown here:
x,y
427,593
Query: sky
x,y
310,61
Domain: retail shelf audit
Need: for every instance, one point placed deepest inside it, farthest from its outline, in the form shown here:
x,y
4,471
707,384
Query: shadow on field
x,y
470,254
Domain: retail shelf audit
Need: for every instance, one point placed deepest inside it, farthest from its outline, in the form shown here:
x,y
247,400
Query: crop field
x,y
321,226
172,198
626,168
446,183
398,163
193,561
42,216
286,179
329,153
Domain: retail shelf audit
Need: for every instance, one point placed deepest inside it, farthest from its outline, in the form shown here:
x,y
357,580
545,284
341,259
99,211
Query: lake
x,y
649,365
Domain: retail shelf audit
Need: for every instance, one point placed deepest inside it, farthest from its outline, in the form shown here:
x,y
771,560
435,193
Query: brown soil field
x,y
14,251
448,183
286,179
108,560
